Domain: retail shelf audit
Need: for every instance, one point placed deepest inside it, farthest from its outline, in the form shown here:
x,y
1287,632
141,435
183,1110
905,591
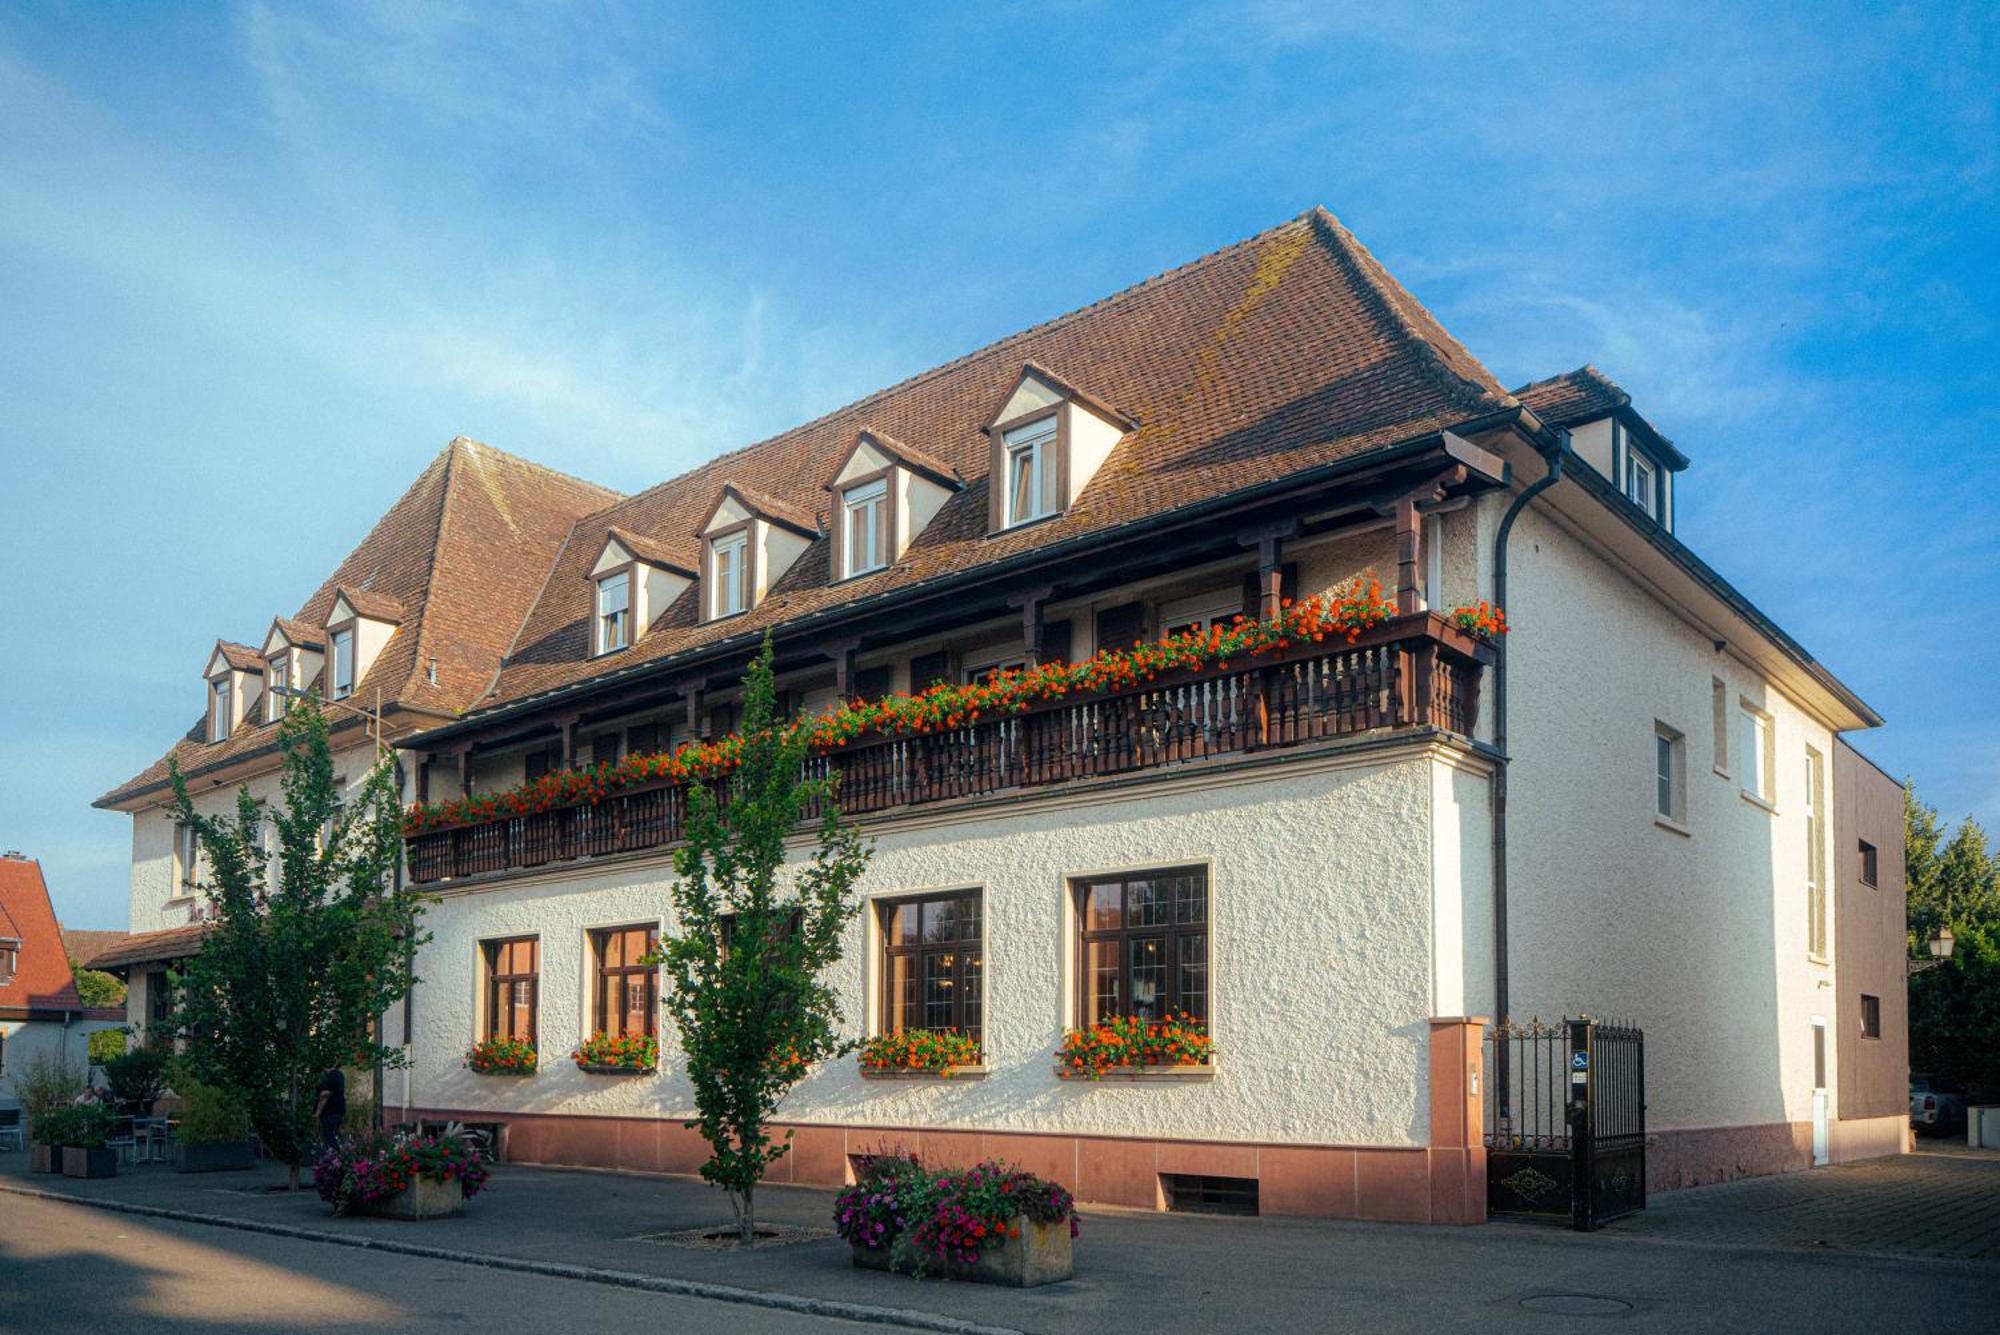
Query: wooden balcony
x,y
1408,673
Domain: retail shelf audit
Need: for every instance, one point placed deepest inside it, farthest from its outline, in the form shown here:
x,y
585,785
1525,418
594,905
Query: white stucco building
x,y
1342,858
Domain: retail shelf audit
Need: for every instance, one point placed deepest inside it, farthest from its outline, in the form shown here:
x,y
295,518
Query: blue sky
x,y
258,263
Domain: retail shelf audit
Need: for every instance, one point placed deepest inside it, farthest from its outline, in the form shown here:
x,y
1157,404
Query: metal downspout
x,y
1557,458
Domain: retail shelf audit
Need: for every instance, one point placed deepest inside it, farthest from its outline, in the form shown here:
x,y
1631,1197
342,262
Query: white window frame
x,y
865,516
1759,761
1639,466
1719,703
614,626
731,595
221,704
341,639
1669,776
277,679
1207,609
1033,444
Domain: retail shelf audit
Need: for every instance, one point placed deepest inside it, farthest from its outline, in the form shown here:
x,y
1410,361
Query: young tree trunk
x,y
292,1116
746,1216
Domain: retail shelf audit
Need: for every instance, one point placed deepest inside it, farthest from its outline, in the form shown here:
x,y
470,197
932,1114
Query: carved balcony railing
x,y
1407,673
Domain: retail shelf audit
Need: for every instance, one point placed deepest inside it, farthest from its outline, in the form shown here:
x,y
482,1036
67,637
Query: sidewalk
x,y
1160,1272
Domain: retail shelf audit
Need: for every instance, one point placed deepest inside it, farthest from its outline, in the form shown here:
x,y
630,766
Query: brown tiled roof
x,y
1077,392
300,633
41,979
460,558
1584,395
654,553
1287,351
770,507
368,603
172,943
239,656
917,460
84,945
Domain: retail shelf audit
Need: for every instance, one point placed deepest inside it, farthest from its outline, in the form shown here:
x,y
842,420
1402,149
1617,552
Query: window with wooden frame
x,y
1760,779
10,960
1669,775
1871,1016
542,761
513,987
1642,483
614,611
220,701
626,1000
932,963
728,573
865,524
1028,453
1142,945
1870,865
187,855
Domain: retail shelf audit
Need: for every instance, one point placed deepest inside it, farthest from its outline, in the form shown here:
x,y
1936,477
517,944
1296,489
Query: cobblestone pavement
x,y
1939,1203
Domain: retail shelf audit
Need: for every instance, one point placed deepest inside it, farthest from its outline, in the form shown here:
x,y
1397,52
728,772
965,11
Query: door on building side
x,y
1819,1099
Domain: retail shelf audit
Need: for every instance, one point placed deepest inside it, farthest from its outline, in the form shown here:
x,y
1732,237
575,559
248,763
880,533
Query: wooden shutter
x,y
545,761
927,668
604,749
1122,626
872,683
721,721
1056,642
643,739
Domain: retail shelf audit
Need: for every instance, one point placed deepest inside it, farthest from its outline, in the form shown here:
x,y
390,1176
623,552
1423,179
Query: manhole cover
x,y
726,1239
1575,1304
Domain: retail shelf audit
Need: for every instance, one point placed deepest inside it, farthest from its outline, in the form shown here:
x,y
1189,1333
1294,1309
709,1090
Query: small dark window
x,y
1871,1016
628,1000
513,985
545,761
932,965
604,749
9,954
1192,1193
159,997
1868,867
1144,946
644,739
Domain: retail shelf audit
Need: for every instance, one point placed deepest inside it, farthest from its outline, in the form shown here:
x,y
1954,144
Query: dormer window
x,y
278,681
614,611
1049,438
1031,471
1642,483
343,663
221,704
865,527
726,561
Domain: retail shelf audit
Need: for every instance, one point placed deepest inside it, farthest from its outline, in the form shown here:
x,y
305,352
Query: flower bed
x,y
991,1222
933,1051
381,1173
502,1056
1133,1042
1343,613
619,1053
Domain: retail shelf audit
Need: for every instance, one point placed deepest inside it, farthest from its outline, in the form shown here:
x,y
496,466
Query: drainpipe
x,y
1557,457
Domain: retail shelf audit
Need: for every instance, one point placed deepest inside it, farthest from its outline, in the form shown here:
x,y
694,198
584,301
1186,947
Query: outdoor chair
x,y
11,1136
124,1139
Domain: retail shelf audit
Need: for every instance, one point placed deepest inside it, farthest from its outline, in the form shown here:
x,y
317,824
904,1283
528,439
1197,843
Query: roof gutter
x,y
1051,555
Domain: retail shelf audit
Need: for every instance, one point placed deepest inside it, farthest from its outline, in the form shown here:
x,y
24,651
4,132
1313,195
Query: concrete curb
x,y
624,1279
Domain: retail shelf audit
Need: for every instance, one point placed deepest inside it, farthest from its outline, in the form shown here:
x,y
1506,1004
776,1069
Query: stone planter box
x,y
222,1156
1041,1255
422,1199
44,1158
97,1161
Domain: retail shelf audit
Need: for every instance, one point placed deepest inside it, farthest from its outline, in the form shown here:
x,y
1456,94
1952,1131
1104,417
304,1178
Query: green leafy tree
x,y
746,965
1954,1008
295,971
98,989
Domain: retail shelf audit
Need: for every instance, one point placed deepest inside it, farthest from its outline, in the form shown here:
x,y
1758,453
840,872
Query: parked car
x,y
1937,1107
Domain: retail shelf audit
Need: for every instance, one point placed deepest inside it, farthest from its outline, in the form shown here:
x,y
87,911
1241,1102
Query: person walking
x,y
331,1106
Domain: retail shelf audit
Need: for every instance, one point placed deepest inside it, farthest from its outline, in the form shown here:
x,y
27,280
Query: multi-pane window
x,y
10,952
1815,854
187,851
614,611
278,680
513,986
628,999
343,663
1869,867
1031,471
866,508
1641,483
1871,1016
1669,774
219,698
932,965
1759,772
726,573
1144,945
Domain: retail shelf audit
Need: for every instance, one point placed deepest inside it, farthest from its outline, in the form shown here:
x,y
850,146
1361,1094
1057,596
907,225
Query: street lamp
x,y
1940,946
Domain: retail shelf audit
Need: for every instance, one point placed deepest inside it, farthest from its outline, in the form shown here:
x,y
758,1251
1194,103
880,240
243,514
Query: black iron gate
x,y
1565,1121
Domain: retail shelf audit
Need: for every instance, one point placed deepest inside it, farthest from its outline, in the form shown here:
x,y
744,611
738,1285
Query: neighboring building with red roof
x,y
1330,853
40,1011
